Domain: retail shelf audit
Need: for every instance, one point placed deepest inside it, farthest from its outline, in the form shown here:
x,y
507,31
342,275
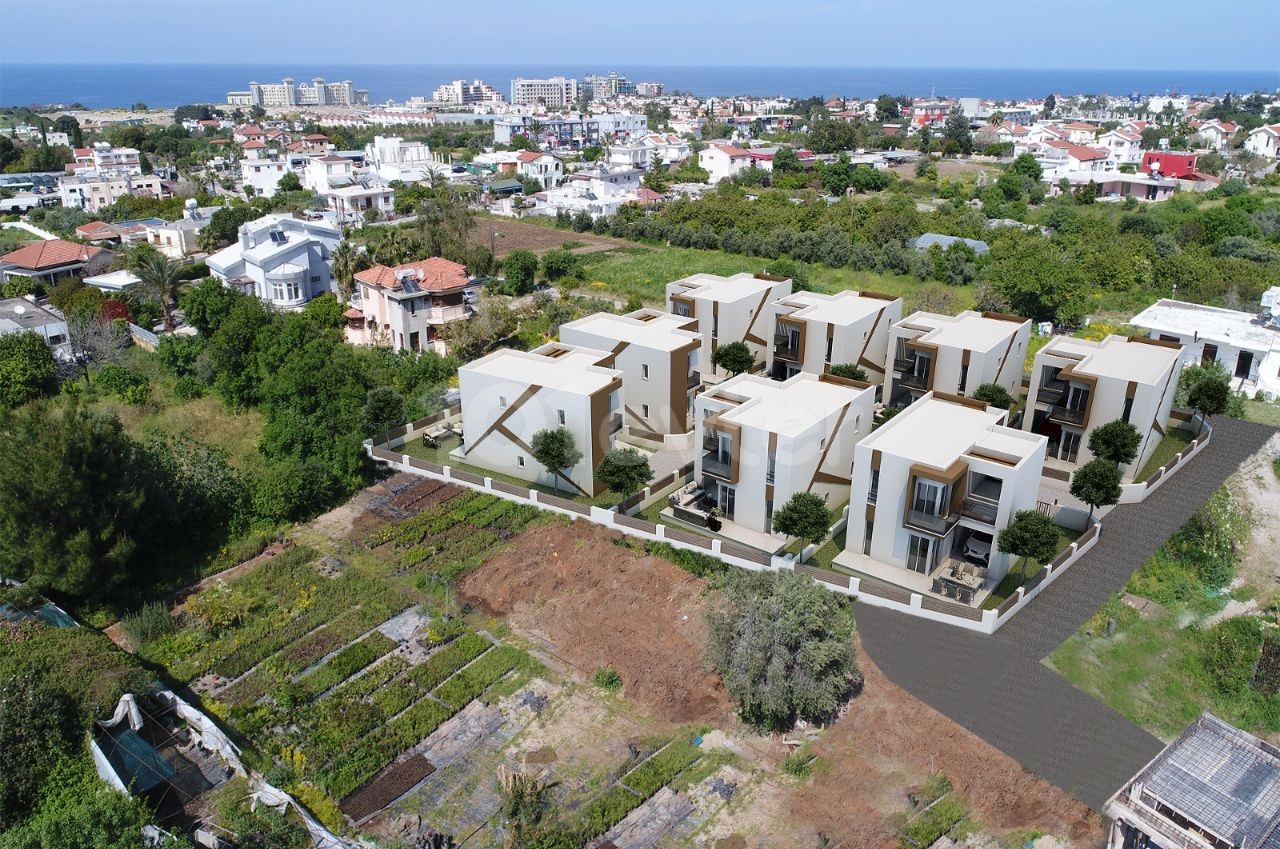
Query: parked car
x,y
977,548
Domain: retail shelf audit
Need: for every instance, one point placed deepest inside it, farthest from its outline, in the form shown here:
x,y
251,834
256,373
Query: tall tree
x,y
1097,483
624,470
348,261
956,130
735,358
1209,397
805,516
1030,535
1116,442
27,369
159,278
556,450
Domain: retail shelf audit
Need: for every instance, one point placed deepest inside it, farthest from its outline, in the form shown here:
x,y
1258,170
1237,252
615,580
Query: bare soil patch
x,y
503,235
596,604
889,741
1260,489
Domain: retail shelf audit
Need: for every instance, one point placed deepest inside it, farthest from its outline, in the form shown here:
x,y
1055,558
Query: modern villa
x,y
728,309
508,396
759,441
955,354
814,331
1077,385
657,353
931,489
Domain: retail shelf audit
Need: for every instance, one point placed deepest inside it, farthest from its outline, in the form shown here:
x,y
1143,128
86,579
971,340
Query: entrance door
x,y
1244,364
728,496
1210,354
918,550
1070,445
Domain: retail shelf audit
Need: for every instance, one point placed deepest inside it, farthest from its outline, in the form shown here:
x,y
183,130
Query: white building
x,y
348,192
178,239
283,260
461,92
1264,141
723,161
657,354
261,175
18,315
955,355
508,396
552,92
543,167
813,332
1078,385
629,156
287,93
932,487
407,307
1124,146
670,148
105,159
393,158
598,193
728,309
760,441
1246,344
93,191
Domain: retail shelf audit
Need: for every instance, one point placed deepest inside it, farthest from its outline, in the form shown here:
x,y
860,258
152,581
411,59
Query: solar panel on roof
x,y
411,285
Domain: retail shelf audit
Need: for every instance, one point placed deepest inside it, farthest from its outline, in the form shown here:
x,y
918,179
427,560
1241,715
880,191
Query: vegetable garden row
x,y
636,787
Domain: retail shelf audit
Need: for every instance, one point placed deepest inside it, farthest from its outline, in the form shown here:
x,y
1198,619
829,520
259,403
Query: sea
x,y
157,85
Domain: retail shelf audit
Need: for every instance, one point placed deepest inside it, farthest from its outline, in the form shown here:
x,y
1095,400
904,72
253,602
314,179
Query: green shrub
x,y
607,811
656,772
348,662
115,379
448,660
468,684
607,679
943,816
137,395
151,622
188,388
799,763
1230,651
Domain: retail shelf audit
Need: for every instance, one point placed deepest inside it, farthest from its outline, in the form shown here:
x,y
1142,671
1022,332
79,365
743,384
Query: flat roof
x,y
114,280
842,308
649,328
574,369
969,330
713,287
1241,329
788,407
21,314
1116,357
936,432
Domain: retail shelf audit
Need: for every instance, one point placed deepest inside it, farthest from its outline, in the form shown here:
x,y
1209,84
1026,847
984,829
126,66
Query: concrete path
x,y
30,228
997,687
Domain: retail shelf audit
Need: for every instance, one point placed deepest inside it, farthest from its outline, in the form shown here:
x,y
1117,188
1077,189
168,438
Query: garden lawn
x,y
825,555
1264,412
644,273
415,448
1015,578
1174,440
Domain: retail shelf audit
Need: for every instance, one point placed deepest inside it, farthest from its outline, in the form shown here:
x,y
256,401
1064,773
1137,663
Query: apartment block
x,y
508,396
728,309
934,485
813,332
552,92
759,441
1077,385
955,354
657,354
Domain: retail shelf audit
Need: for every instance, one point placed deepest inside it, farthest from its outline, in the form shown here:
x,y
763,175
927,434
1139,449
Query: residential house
x,y
728,309
1076,158
1177,166
932,488
814,331
657,354
1246,345
1215,134
393,158
635,156
93,191
408,307
349,192
955,354
1215,787
104,158
760,441
508,396
1117,184
1081,132
668,147
283,260
542,167
18,315
178,239
261,175
1078,385
1124,146
1007,132
600,192
50,260
248,133
114,283
722,161
1264,141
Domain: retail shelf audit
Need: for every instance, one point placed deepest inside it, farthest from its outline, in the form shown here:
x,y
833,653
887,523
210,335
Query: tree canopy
x,y
556,450
624,470
735,358
1097,483
1116,441
1030,534
805,516
27,369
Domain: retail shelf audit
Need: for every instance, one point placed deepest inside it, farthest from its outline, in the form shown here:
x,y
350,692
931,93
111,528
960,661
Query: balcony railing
x,y
904,363
615,423
718,465
915,381
873,494
784,349
692,379
1051,392
1066,415
979,509
932,523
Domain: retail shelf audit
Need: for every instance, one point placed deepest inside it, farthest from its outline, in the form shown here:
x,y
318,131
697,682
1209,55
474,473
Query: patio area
x,y
966,580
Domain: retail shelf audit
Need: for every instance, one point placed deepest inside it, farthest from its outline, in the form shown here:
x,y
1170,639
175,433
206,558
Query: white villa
x,y
283,260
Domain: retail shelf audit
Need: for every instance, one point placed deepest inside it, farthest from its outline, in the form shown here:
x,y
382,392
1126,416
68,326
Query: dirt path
x,y
1258,485
504,235
889,741
595,604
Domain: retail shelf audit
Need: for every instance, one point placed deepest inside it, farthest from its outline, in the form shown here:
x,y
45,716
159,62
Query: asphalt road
x,y
997,686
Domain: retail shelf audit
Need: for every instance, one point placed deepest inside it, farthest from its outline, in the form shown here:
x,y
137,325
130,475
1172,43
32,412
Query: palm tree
x,y
159,278
348,261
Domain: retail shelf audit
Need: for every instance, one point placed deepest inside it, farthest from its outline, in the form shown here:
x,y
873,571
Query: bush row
x,y
646,779
476,678
348,662
362,763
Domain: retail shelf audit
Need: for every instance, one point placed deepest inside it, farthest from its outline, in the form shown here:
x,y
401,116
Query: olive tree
x,y
556,450
624,470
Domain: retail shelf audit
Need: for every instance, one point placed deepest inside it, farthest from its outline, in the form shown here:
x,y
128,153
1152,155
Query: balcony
x,y
979,509
1066,415
783,349
615,423
931,523
915,381
692,379
904,363
1051,392
718,465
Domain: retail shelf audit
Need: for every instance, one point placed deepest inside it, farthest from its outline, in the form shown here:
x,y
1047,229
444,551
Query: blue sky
x,y
1079,34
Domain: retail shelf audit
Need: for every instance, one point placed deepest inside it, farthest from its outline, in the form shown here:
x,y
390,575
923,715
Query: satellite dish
x,y
19,309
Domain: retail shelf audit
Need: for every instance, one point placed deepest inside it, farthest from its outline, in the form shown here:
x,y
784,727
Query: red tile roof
x,y
731,150
1079,125
436,274
253,145
97,230
50,253
1079,151
529,156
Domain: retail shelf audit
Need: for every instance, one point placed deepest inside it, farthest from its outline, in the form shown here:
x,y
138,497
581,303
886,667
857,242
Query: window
x,y
520,461
866,536
964,377
830,342
315,278
772,468
644,371
560,417
715,325
285,292
502,402
874,491
644,411
928,496
1128,408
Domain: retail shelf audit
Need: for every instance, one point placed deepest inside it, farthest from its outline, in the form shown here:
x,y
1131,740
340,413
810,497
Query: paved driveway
x,y
997,687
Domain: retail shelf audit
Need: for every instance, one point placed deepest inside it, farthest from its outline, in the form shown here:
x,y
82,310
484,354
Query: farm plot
x,y
335,668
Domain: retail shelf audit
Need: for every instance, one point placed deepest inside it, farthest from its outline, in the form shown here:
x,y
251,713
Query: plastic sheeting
x,y
274,797
127,707
203,730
